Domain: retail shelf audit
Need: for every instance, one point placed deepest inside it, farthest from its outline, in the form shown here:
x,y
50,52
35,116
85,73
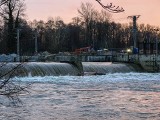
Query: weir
x,y
57,68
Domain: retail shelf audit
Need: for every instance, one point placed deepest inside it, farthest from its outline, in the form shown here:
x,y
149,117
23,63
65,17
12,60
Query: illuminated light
x,y
128,50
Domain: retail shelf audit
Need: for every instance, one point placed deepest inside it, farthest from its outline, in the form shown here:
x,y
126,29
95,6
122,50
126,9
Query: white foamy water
x,y
117,96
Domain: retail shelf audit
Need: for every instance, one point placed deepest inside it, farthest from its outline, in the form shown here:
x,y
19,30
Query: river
x,y
114,96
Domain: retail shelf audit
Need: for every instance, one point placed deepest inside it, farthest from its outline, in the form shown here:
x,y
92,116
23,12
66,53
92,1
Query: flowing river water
x,y
114,96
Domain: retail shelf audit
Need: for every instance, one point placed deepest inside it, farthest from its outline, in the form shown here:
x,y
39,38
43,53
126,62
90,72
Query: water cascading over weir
x,y
57,68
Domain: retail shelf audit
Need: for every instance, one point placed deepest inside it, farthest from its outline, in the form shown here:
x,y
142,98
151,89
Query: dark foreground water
x,y
118,96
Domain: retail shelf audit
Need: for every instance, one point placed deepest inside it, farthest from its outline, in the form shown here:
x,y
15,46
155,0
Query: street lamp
x,y
128,52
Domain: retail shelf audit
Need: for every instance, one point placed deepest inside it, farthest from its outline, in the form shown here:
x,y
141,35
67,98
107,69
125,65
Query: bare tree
x,y
87,14
11,11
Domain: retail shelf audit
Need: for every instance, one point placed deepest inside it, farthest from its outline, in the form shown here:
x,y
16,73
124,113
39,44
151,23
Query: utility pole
x,y
156,55
18,53
156,30
36,43
134,18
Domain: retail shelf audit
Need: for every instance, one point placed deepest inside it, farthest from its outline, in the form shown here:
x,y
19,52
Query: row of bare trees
x,y
90,27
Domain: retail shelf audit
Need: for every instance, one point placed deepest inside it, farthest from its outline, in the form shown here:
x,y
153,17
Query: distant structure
x,y
134,18
111,8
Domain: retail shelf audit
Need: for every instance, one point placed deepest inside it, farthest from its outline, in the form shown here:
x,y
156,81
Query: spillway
x,y
56,68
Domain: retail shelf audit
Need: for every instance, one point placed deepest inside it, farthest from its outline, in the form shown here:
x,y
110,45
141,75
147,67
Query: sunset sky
x,y
67,9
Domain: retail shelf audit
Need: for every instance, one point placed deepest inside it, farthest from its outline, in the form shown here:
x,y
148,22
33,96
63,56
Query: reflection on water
x,y
127,96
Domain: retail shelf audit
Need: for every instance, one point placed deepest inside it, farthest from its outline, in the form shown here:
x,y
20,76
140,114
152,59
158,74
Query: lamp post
x,y
35,42
18,53
156,42
128,52
156,54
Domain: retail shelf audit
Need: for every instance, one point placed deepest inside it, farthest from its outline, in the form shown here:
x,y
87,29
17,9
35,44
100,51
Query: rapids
x,y
114,96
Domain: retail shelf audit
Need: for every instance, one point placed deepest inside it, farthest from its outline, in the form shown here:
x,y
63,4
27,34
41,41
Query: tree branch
x,y
3,2
111,8
9,88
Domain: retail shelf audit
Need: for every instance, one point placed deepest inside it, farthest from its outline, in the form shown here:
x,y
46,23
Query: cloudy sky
x,y
67,9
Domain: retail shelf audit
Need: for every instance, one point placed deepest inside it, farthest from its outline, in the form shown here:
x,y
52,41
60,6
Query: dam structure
x,y
63,69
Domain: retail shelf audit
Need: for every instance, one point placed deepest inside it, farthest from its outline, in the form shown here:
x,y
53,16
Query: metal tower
x,y
134,18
